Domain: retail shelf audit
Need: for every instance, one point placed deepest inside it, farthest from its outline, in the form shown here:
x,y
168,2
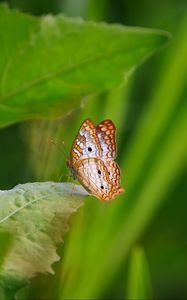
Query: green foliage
x,y
47,65
36,215
5,238
50,63
139,282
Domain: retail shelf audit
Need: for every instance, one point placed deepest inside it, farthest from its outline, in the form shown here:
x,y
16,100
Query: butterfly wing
x,y
114,173
92,160
86,144
93,174
106,134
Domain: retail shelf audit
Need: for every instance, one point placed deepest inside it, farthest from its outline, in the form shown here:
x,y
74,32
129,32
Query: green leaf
x,y
139,282
49,64
5,242
36,214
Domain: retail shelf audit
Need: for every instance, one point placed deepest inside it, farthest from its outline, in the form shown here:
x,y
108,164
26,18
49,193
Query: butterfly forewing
x,y
106,134
86,143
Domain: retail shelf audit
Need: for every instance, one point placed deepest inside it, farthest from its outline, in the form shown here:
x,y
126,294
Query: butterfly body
x,y
92,160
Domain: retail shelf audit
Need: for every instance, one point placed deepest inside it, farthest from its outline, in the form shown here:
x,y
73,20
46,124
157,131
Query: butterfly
x,y
92,160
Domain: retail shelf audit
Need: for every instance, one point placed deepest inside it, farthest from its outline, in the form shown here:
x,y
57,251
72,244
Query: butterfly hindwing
x,y
114,174
94,176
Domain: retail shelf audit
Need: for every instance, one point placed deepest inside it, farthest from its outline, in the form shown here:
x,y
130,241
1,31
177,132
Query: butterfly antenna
x,y
61,149
64,151
65,148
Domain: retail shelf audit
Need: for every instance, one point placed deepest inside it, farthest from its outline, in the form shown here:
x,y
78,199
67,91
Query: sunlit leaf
x,y
51,63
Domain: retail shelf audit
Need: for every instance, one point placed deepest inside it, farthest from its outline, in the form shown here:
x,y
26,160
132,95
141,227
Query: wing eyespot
x,y
89,149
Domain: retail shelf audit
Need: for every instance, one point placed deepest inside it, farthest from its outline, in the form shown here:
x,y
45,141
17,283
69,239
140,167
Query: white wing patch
x,y
86,144
94,176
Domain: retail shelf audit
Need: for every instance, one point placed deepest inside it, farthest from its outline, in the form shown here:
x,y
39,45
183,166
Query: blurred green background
x,y
136,246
